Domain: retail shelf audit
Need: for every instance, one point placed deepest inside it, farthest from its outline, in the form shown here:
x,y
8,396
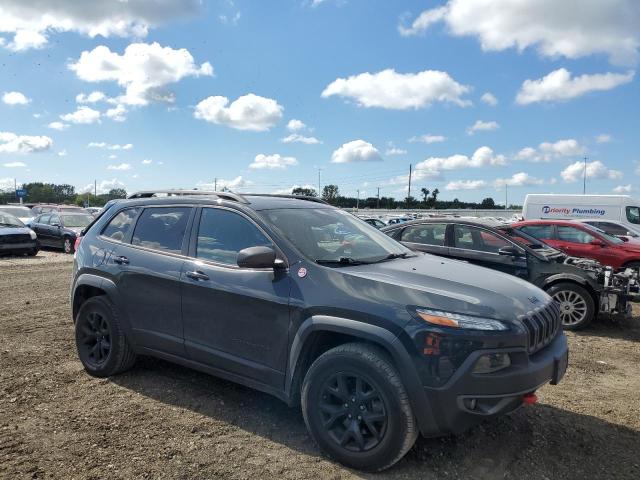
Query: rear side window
x,y
44,219
541,232
54,220
431,234
222,234
120,225
574,235
162,228
472,238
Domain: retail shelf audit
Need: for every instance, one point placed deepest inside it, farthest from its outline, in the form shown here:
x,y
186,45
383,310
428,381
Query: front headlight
x,y
457,320
32,234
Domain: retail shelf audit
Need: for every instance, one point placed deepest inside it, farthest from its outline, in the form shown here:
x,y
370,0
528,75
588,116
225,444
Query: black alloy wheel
x,y
94,339
353,411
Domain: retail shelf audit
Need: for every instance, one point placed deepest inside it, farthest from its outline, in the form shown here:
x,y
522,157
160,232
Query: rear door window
x,y
428,234
222,234
121,225
472,238
162,228
541,232
44,219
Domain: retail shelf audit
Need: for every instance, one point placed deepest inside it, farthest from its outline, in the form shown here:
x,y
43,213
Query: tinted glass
x,y
8,220
162,228
574,235
78,220
541,232
44,219
222,234
472,238
610,228
431,234
54,220
120,225
633,215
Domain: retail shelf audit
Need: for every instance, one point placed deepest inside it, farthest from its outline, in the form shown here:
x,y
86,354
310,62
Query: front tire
x,y
67,245
577,307
102,346
357,409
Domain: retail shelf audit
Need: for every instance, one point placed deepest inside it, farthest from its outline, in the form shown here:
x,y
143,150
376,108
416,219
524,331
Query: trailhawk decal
x,y
568,211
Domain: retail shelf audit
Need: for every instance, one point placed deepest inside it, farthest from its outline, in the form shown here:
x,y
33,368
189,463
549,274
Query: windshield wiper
x,y
391,256
339,261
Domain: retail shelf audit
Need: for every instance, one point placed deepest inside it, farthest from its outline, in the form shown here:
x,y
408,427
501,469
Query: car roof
x,y
546,222
477,222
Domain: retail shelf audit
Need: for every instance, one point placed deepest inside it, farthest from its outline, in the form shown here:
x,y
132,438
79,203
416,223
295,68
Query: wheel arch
x,y
319,333
87,286
576,279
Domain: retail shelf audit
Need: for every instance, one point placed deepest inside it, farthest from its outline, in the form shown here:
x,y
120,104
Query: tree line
x,y
38,192
428,199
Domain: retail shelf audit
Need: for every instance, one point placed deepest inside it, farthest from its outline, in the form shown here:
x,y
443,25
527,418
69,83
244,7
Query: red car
x,y
583,240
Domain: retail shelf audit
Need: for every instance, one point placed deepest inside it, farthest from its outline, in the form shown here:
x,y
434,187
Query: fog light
x,y
492,363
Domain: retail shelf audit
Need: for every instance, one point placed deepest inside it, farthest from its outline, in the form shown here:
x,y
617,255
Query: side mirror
x,y
257,257
510,251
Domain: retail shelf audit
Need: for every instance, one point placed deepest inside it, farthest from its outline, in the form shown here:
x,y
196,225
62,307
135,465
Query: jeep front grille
x,y
541,324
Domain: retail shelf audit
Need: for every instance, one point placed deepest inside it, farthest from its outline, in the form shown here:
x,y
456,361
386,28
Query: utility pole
x,y
319,170
95,188
506,195
409,193
378,203
358,201
215,184
584,178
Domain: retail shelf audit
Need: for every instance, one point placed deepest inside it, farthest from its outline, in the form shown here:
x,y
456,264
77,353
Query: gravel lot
x,y
164,421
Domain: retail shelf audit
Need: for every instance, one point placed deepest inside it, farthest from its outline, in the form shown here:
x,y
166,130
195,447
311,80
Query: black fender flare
x,y
107,286
375,334
568,277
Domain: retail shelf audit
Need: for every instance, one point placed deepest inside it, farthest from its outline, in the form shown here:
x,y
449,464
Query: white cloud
x,y
83,115
297,138
121,166
395,151
489,99
31,21
117,113
13,143
103,186
559,85
14,165
295,125
144,70
110,146
356,151
233,184
15,98
427,139
58,126
249,112
62,153
289,191
272,162
466,185
481,126
571,28
482,157
93,97
399,91
548,151
7,184
603,138
146,161
520,179
622,189
596,170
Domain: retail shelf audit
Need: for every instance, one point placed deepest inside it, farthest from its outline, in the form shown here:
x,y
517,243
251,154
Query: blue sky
x,y
372,87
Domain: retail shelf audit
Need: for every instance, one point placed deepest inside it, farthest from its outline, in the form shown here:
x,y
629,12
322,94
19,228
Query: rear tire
x,y
33,252
67,245
577,307
102,346
357,409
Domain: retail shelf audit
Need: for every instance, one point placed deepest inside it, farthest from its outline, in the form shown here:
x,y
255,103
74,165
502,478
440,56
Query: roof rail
x,y
297,197
178,193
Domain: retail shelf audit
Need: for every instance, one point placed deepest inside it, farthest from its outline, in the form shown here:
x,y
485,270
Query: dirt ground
x,y
165,421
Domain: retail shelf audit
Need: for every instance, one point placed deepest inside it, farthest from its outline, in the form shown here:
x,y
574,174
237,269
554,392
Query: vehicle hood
x,y
450,285
4,231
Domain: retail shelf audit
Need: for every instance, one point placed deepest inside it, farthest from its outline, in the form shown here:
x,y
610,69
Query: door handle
x,y
197,275
121,260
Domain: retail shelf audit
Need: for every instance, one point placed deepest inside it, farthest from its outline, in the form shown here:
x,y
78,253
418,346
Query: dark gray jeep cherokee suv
x,y
311,304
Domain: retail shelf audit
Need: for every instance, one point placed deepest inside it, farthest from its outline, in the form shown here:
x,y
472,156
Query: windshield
x,y
17,211
329,235
602,233
7,220
74,221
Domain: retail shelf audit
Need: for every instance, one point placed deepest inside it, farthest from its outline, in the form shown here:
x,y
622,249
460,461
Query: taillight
x,y
77,244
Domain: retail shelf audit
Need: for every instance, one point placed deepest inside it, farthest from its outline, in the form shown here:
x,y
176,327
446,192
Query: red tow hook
x,y
530,399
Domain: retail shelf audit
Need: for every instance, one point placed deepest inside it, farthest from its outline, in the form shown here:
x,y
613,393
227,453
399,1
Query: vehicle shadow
x,y
532,442
626,329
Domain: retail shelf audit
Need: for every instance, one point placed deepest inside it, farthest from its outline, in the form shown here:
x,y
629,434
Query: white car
x,y
23,214
615,228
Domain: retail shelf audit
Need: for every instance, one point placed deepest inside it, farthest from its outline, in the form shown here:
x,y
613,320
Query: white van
x,y
622,208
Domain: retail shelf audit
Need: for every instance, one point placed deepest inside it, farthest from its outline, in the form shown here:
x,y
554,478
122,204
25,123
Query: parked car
x,y
396,220
621,208
16,237
22,213
615,228
47,208
93,210
582,240
375,222
376,342
582,289
60,229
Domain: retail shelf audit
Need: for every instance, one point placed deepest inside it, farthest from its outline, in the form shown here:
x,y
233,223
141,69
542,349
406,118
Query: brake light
x,y
77,244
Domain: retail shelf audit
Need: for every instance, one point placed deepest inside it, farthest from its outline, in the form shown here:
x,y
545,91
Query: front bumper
x,y
17,247
468,398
